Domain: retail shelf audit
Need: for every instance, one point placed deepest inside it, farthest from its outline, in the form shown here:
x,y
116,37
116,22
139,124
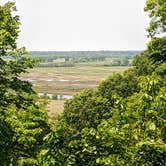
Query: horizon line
x,y
80,50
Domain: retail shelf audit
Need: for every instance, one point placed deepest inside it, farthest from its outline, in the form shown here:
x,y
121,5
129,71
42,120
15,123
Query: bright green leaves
x,y
22,115
24,134
12,61
157,13
9,27
156,50
121,85
86,110
149,123
143,65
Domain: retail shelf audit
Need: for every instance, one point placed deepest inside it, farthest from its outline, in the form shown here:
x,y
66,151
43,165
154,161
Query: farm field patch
x,y
69,80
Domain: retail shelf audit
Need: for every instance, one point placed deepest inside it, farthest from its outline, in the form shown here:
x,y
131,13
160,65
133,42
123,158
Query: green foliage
x,y
157,50
83,56
6,137
28,130
143,65
86,110
147,119
9,27
157,46
132,134
161,70
157,13
54,97
22,116
121,85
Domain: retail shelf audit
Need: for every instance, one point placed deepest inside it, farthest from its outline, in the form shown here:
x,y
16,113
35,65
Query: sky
x,y
72,25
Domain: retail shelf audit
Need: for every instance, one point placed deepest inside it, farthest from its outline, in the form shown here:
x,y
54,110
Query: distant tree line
x,y
60,54
71,61
82,56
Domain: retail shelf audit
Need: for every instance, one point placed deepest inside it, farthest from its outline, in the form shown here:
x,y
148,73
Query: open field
x,y
69,80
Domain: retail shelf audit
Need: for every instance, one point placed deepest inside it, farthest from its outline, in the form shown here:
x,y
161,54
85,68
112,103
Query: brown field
x,y
55,107
68,80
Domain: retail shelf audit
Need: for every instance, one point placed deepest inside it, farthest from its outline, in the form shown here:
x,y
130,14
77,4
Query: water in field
x,y
59,96
48,79
68,80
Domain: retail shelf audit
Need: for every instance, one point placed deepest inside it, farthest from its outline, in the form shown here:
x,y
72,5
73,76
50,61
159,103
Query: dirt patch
x,y
55,106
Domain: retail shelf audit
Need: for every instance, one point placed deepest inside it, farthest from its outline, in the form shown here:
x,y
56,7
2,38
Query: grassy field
x,y
69,80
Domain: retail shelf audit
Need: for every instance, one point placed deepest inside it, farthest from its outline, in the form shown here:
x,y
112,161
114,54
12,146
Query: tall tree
x,y
22,116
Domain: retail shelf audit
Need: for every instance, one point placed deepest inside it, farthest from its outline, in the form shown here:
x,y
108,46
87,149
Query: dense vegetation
x,y
86,55
23,120
70,58
122,122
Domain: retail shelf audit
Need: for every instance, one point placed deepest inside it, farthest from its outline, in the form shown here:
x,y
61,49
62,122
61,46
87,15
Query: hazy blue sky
x,y
82,24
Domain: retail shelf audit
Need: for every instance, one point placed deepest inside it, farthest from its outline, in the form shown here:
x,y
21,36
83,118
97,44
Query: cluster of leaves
x,y
23,121
157,13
